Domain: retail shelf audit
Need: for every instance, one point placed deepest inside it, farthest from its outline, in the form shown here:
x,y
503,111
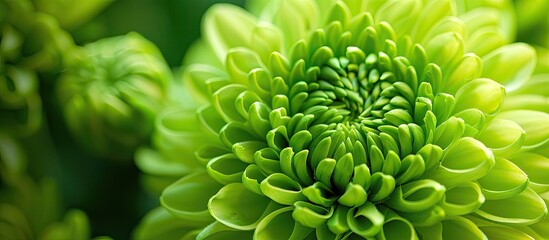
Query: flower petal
x,y
226,26
510,65
282,189
534,123
504,137
465,160
525,208
396,228
463,199
240,208
187,198
536,167
503,181
483,94
280,224
504,232
161,224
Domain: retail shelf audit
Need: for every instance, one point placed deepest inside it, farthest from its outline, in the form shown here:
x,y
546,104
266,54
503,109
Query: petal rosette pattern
x,y
111,91
354,120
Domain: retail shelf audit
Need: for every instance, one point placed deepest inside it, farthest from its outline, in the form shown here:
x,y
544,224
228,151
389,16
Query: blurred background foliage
x,y
44,172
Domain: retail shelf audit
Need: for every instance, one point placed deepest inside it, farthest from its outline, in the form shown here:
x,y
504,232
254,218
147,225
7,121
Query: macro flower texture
x,y
411,119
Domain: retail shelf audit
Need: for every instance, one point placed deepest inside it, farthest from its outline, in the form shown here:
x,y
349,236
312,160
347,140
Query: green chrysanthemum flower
x,y
354,120
111,93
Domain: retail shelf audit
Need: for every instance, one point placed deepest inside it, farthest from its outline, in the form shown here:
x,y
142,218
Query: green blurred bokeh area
x,y
171,24
109,191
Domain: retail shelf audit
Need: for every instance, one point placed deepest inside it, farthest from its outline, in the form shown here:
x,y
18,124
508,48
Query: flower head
x,y
111,92
354,119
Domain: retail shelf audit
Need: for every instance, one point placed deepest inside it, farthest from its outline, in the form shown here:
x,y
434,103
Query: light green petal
x,y
218,231
534,123
452,228
538,84
510,65
224,102
525,208
445,48
527,102
282,189
447,25
502,232
482,94
463,199
197,76
293,21
400,14
240,62
152,162
504,137
460,228
311,215
226,168
431,14
280,225
465,160
365,220
240,208
505,180
485,40
536,167
396,228
467,69
188,197
161,224
416,196
226,26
